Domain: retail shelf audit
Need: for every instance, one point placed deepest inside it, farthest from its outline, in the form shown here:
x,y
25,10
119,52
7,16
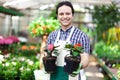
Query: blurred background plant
x,y
7,42
18,66
18,60
42,26
106,19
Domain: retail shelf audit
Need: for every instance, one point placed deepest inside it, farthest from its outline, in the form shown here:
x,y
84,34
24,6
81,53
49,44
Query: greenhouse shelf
x,y
106,69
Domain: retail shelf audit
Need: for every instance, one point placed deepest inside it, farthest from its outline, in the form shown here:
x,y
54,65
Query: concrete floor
x,y
92,71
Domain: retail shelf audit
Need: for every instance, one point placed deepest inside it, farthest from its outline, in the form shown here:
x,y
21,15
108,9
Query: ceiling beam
x,y
10,11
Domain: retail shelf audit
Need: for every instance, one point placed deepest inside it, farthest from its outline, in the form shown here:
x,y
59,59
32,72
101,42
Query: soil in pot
x,y
72,64
49,64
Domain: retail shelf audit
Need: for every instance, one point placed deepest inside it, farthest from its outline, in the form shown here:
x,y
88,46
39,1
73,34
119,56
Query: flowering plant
x,y
8,40
6,43
50,49
75,50
18,66
41,26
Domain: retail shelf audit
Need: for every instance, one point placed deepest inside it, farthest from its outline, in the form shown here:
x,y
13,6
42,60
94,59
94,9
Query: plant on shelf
x,y
42,26
6,44
74,57
49,60
110,53
18,67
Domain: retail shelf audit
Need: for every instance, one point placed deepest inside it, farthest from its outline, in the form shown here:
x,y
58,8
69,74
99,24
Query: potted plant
x,y
73,60
42,27
49,60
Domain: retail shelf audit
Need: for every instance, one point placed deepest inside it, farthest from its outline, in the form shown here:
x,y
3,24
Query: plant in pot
x,y
42,27
49,60
73,60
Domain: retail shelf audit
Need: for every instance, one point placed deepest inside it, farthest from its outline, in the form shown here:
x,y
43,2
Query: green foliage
x,y
89,31
19,63
75,50
17,67
42,26
105,17
53,14
118,73
110,52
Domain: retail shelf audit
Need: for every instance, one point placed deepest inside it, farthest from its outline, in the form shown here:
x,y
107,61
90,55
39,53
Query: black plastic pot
x,y
72,64
49,64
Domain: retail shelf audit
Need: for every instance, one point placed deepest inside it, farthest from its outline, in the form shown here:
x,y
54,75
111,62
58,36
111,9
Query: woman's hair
x,y
67,3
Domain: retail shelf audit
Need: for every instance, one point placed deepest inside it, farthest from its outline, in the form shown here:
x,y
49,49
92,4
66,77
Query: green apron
x,y
60,74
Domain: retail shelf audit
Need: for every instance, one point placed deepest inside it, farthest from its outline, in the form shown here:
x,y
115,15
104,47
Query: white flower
x,y
1,57
14,63
7,55
30,62
28,69
7,64
22,59
22,68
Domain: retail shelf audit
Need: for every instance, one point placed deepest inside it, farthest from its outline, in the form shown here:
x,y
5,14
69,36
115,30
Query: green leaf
x,y
75,53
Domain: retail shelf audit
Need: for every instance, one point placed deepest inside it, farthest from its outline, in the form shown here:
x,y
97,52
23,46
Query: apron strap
x,y
68,39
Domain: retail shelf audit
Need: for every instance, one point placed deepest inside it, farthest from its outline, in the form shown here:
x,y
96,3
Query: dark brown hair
x,y
67,3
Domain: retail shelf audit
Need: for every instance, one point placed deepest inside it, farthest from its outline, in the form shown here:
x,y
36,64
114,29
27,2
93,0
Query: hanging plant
x,y
42,26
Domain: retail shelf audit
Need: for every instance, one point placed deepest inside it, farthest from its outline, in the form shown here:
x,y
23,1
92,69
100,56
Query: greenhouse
x,y
29,30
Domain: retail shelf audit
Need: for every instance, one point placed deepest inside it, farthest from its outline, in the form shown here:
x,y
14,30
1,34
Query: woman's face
x,y
65,16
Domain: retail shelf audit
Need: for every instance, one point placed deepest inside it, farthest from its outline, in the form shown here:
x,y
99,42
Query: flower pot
x,y
49,64
72,64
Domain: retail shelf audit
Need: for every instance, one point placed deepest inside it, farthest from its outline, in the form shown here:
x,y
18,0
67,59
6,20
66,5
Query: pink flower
x,y
13,38
8,41
1,41
50,47
1,37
